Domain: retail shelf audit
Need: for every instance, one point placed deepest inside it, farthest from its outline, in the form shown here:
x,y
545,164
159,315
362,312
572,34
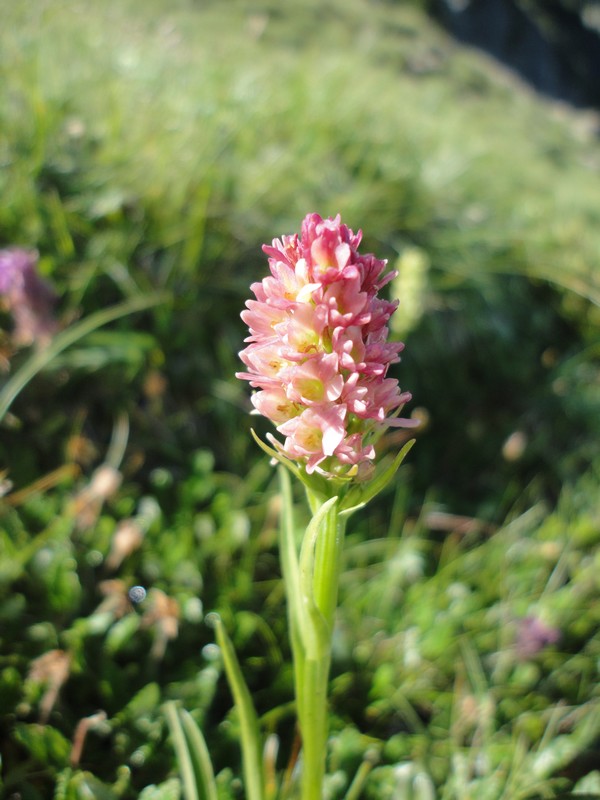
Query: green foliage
x,y
148,149
461,660
193,758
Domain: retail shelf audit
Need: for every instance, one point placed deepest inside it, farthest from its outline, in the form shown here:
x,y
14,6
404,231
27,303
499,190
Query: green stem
x,y
311,582
314,726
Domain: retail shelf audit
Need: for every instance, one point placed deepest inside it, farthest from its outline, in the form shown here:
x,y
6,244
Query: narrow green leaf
x,y
316,485
199,753
359,496
360,778
254,779
275,454
42,358
289,561
314,584
328,563
191,788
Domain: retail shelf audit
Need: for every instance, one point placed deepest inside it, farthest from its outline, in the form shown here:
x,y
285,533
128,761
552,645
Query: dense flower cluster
x,y
27,296
318,350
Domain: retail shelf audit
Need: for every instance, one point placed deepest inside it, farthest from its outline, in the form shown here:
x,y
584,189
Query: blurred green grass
x,y
149,147
157,148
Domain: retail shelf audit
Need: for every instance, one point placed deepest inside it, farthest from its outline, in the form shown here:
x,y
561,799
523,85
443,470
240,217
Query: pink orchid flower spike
x,y
318,353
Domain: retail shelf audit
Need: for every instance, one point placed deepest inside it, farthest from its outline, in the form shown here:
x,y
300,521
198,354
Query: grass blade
x,y
195,766
41,359
254,780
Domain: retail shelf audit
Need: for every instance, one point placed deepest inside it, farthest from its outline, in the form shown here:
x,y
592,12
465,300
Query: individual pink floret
x,y
315,434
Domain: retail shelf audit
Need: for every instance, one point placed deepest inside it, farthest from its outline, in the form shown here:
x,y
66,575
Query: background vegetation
x,y
148,149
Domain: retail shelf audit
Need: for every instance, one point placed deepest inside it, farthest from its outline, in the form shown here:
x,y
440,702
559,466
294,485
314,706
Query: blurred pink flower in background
x,y
27,297
533,636
318,351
